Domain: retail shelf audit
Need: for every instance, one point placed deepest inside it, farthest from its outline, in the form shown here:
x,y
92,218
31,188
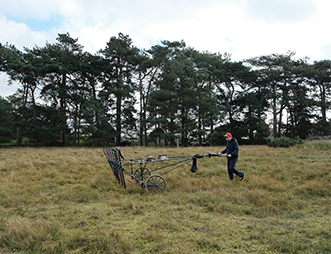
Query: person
x,y
232,154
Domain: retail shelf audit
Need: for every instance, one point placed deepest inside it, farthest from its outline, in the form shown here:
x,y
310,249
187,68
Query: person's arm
x,y
235,149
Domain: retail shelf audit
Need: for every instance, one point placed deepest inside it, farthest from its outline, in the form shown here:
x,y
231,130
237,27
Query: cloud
x,y
21,10
243,28
21,35
6,89
281,11
324,51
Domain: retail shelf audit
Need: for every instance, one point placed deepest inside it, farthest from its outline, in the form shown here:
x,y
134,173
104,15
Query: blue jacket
x,y
232,148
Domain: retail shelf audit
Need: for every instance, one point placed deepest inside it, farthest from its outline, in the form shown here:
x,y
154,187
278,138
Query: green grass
x,y
66,200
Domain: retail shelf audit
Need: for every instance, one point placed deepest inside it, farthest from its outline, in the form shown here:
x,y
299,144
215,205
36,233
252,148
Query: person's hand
x,y
229,155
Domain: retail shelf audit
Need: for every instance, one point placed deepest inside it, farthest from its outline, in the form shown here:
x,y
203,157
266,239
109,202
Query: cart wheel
x,y
141,173
156,184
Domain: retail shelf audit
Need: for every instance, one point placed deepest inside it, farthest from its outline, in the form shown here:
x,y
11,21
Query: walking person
x,y
232,154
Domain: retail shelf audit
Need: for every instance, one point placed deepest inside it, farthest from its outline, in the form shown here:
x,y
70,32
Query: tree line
x,y
169,94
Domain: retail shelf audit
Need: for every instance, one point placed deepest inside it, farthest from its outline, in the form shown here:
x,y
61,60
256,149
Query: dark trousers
x,y
231,168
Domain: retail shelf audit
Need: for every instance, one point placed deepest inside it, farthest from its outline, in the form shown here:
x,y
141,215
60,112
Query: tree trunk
x,y
274,124
63,118
199,129
19,131
118,120
141,130
145,128
19,136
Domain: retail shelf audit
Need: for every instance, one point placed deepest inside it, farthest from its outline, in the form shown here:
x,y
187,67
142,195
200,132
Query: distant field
x,y
66,200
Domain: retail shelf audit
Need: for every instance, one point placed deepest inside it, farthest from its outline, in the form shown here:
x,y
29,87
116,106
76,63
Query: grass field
x,y
66,200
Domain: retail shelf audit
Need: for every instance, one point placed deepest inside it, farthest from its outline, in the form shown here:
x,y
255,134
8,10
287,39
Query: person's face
x,y
227,138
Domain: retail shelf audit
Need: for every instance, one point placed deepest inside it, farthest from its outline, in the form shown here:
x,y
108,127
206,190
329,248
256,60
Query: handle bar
x,y
210,154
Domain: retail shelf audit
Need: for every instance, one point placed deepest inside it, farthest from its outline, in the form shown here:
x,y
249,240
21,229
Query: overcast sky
x,y
242,28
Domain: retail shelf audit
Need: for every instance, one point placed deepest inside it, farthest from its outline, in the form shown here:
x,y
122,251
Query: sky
x,y
241,28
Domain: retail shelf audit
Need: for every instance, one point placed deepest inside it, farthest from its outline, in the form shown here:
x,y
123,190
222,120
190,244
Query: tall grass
x,y
66,200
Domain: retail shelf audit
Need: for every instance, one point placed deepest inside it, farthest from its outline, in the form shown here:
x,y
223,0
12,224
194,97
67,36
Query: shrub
x,y
285,142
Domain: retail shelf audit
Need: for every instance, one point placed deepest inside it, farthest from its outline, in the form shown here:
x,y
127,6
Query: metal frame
x,y
154,183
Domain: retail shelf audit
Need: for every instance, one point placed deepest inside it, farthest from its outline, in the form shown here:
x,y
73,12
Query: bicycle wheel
x,y
156,184
141,173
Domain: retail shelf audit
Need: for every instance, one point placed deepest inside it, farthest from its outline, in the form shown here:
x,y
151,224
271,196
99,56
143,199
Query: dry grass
x,y
66,200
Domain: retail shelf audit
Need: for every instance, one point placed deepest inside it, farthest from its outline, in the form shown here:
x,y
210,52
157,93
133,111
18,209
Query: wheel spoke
x,y
156,183
141,173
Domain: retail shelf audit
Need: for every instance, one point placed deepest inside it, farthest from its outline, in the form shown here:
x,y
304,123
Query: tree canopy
x,y
169,94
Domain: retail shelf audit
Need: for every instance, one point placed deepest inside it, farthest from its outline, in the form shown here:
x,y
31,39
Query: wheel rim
x,y
156,184
141,173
